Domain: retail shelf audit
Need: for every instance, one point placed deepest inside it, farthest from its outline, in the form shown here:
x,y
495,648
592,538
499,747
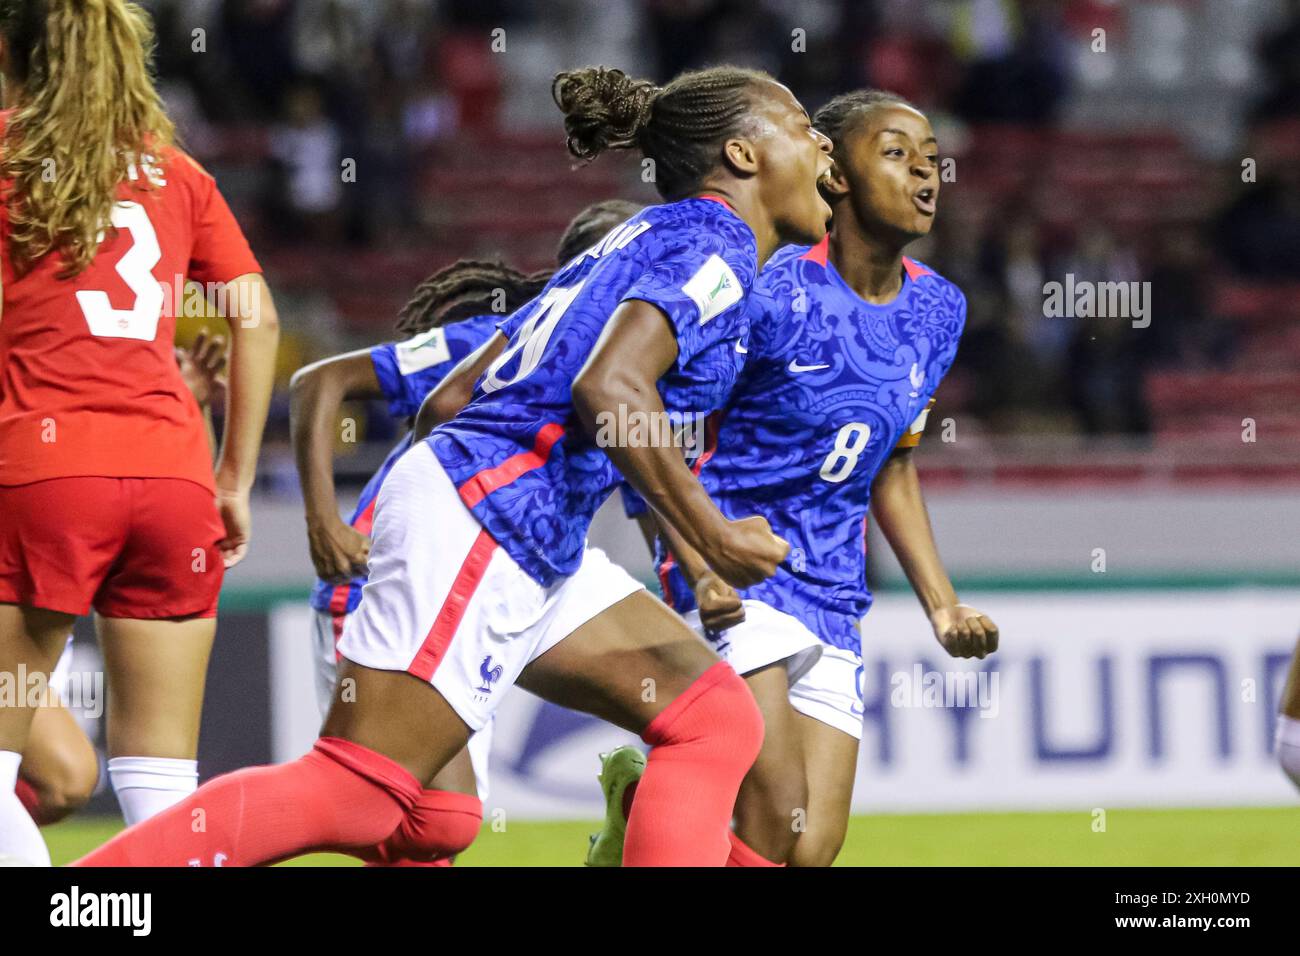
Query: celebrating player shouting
x,y
849,340
480,577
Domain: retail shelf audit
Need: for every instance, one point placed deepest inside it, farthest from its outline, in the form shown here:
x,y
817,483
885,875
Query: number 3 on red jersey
x,y
136,269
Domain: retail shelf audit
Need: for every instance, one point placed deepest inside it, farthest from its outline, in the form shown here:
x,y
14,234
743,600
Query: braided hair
x,y
681,126
592,224
465,288
837,117
470,287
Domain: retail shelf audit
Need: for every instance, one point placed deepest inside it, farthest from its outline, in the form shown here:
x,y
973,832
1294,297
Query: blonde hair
x,y
87,108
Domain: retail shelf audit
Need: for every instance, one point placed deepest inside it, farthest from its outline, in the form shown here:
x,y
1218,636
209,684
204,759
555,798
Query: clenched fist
x,y
719,604
964,631
747,552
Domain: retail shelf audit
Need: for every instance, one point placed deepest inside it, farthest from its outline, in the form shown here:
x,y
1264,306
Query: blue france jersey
x,y
831,384
516,453
407,372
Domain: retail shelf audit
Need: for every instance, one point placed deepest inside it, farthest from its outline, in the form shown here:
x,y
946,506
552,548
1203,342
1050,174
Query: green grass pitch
x,y
1219,837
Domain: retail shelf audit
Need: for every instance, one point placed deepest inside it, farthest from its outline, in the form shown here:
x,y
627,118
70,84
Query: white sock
x,y
149,785
1288,747
19,835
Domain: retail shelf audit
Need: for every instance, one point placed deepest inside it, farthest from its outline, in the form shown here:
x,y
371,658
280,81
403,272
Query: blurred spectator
x,y
1279,55
1019,65
305,151
1184,330
682,33
1258,233
1105,375
1103,357
257,43
1098,257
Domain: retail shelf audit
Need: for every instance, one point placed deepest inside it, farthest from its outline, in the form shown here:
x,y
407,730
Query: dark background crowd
x,y
365,143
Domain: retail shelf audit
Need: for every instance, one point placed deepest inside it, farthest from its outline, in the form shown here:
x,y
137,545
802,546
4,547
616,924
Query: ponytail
x,y
603,109
88,108
681,126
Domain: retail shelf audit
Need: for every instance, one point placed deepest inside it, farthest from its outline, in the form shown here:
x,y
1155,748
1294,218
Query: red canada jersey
x,y
89,385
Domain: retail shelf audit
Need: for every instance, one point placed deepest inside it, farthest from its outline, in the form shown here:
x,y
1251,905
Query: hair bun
x,y
604,108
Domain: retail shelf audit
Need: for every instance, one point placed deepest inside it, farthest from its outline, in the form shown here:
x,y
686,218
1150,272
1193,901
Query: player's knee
x,y
441,825
65,785
1288,747
721,709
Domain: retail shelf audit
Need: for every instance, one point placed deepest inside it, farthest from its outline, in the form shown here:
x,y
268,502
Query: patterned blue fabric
x,y
530,475
831,384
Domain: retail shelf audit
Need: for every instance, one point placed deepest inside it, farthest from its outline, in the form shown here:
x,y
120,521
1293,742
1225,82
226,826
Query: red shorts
x,y
136,548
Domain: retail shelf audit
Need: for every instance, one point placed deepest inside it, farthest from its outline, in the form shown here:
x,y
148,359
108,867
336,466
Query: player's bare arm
x,y
454,392
899,509
635,349
254,336
719,603
316,393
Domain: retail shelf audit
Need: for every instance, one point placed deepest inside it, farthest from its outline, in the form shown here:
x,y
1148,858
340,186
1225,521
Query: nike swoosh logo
x,y
794,366
740,348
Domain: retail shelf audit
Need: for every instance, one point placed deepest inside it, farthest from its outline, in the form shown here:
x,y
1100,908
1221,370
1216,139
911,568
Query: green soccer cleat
x,y
619,769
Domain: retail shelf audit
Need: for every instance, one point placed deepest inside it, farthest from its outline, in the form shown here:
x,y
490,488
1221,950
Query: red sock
x,y
30,800
445,861
742,855
339,796
703,745
440,825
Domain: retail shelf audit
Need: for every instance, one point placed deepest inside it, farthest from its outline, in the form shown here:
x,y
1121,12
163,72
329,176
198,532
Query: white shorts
x,y
446,604
764,637
825,681
326,667
831,691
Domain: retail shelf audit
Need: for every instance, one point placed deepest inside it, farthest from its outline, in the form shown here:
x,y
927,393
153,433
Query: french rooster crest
x,y
490,674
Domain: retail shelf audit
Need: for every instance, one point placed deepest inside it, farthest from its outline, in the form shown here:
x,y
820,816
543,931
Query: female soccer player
x,y
850,339
451,314
59,769
108,498
479,573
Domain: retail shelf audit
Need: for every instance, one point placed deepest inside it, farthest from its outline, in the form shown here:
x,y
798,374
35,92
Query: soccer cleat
x,y
619,769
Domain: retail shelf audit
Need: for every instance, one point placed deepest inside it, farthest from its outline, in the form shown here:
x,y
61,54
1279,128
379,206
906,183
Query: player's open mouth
x,y
924,200
823,179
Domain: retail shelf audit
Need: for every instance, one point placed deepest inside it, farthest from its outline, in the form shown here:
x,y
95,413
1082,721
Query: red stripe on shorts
x,y
337,620
664,570
486,482
365,523
431,652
